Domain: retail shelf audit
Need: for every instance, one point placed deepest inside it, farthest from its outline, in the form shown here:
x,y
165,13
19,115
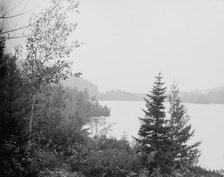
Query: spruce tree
x,y
181,131
155,143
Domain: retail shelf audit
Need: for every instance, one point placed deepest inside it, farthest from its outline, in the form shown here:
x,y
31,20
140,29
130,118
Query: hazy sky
x,y
128,42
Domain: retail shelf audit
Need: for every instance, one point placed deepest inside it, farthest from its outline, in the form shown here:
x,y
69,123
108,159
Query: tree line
x,y
42,123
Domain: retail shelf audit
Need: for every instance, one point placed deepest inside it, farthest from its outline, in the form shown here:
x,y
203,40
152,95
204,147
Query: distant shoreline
x,y
166,101
208,96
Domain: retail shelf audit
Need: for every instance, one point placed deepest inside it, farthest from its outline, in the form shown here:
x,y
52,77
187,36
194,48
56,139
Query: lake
x,y
206,119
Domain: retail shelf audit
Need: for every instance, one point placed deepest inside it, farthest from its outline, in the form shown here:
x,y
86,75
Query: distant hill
x,y
117,95
81,84
215,95
209,96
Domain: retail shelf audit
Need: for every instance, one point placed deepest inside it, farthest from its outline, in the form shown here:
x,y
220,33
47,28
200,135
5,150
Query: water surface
x,y
206,119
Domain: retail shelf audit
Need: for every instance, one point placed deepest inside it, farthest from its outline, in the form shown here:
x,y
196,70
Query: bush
x,y
110,157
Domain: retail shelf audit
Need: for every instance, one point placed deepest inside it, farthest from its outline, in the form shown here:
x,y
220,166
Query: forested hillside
x,y
81,84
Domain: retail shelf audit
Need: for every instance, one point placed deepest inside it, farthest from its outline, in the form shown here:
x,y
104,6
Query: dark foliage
x,y
155,143
3,67
13,122
181,132
110,157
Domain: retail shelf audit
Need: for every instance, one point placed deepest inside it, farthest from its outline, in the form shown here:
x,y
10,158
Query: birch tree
x,y
48,48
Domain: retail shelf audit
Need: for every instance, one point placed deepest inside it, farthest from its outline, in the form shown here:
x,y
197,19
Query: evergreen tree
x,y
13,122
181,131
155,143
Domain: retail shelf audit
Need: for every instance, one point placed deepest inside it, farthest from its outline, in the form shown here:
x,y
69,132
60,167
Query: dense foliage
x,y
181,132
13,122
155,143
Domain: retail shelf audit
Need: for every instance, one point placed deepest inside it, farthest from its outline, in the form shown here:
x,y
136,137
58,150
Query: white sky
x,y
128,42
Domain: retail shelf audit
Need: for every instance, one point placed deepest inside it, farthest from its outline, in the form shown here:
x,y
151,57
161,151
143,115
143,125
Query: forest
x,y
43,129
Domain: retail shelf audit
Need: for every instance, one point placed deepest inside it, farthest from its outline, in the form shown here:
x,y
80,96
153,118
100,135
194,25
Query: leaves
x,y
47,45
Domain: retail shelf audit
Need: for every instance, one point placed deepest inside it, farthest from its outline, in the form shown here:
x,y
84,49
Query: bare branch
x,y
19,14
8,11
16,15
15,37
13,30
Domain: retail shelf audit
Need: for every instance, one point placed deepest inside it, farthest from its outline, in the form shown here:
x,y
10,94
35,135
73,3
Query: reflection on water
x,y
207,120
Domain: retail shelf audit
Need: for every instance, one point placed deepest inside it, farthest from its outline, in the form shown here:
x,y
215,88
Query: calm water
x,y
207,120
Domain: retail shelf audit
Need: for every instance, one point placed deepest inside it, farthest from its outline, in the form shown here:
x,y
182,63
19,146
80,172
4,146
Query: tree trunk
x,y
31,118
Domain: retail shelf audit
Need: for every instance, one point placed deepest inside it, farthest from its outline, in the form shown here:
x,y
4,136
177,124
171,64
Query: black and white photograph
x,y
111,88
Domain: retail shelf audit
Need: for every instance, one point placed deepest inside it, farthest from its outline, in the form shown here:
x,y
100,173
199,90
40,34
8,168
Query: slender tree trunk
x,y
31,118
96,126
